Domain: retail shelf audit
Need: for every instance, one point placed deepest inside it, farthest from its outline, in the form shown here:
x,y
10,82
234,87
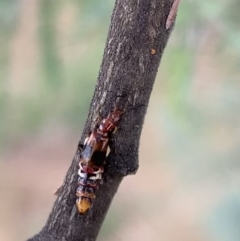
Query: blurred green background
x,y
187,186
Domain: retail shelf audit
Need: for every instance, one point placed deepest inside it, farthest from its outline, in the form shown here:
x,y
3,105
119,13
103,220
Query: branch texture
x,y
135,43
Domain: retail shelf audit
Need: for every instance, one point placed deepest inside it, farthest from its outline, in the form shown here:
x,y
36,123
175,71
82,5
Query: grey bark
x,y
135,43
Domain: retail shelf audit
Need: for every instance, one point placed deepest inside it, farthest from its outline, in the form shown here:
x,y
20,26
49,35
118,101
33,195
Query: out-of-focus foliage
x,y
225,219
187,187
67,37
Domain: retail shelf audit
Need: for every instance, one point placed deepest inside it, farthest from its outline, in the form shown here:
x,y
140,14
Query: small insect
x,y
89,180
92,160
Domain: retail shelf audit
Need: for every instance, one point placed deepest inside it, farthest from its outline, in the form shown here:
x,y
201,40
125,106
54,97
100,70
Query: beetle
x,y
93,155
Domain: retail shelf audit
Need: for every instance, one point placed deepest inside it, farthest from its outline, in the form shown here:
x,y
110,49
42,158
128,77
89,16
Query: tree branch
x,y
136,41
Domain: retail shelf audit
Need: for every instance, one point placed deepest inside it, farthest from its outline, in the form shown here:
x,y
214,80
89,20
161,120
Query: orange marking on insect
x,y
83,205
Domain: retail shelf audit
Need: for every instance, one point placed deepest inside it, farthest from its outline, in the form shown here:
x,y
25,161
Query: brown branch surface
x,y
136,41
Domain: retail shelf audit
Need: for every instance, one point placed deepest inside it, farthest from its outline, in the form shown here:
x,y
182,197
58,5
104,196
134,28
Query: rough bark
x,y
136,41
